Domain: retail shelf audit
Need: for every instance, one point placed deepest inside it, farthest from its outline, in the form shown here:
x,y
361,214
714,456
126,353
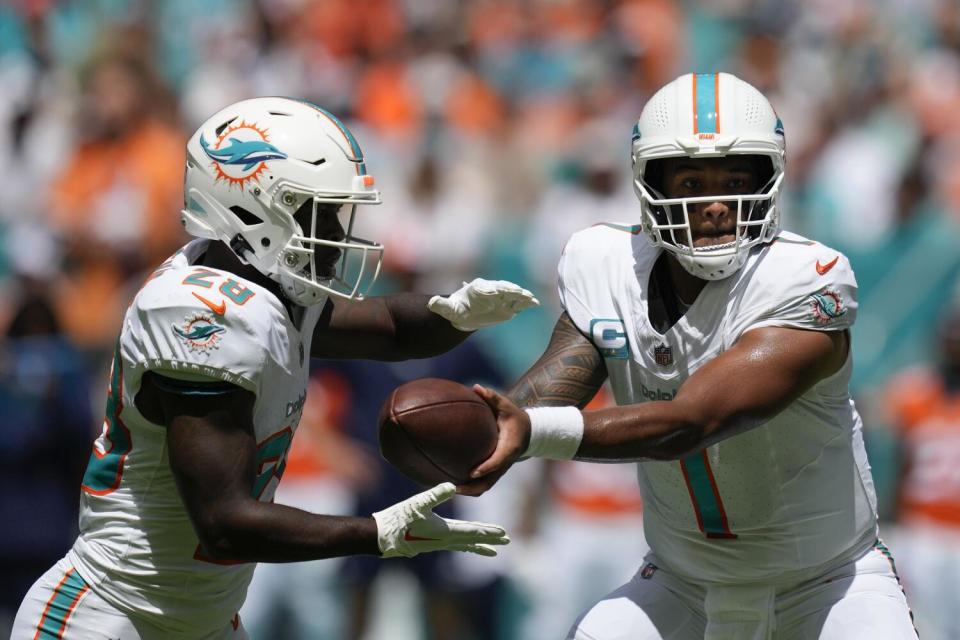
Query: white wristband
x,y
555,432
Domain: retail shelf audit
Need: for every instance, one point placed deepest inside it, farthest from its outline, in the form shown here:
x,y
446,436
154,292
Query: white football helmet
x,y
705,116
253,165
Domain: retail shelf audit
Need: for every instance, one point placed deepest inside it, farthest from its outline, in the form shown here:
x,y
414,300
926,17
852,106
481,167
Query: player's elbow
x,y
697,433
218,548
214,544
220,536
689,430
679,442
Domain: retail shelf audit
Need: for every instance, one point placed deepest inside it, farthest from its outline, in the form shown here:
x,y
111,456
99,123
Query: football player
x,y
208,384
922,405
726,343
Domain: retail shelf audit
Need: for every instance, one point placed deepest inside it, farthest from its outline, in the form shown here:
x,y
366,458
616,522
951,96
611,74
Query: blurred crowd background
x,y
495,128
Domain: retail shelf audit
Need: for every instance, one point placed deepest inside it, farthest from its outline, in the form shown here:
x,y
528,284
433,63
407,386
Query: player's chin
x,y
326,269
327,263
713,240
326,273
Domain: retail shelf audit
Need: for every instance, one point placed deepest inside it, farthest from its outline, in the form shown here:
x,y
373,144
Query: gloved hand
x,y
482,303
411,527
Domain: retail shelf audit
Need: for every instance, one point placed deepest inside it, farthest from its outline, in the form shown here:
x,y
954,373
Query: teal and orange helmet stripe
x,y
53,620
706,103
705,496
354,145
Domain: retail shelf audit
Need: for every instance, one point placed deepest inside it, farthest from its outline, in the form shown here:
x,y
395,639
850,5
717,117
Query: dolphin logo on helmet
x,y
247,153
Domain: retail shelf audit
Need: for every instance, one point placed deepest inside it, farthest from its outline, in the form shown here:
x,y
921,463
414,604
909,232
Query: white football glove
x,y
411,527
482,303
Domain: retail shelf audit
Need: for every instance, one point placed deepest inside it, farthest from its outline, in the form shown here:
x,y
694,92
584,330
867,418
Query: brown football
x,y
436,430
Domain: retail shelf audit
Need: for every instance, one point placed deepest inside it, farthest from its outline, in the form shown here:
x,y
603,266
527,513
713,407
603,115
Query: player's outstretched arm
x,y
404,326
742,388
568,374
213,457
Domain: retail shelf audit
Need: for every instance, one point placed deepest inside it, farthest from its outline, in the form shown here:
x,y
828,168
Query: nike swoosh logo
x,y
821,268
410,538
221,308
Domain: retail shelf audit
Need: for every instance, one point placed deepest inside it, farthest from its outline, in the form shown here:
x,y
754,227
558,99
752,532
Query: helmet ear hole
x,y
224,125
246,216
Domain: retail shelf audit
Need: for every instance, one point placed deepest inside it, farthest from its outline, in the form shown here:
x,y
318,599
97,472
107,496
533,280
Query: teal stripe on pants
x,y
60,606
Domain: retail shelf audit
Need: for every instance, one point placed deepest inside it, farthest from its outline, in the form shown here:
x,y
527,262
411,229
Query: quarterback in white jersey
x,y
726,343
758,488
209,380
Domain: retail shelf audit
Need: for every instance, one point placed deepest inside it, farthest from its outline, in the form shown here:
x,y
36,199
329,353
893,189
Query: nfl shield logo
x,y
663,355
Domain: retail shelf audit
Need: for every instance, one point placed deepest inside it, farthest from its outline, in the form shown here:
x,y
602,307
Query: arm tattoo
x,y
570,371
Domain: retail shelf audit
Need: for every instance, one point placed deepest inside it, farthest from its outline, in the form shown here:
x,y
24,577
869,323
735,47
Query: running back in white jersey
x,y
790,495
137,548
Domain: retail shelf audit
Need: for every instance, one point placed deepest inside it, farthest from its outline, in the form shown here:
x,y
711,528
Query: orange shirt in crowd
x,y
113,195
135,181
927,416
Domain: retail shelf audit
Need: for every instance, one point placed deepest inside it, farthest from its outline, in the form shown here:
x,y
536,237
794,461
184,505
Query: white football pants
x,y
861,600
60,605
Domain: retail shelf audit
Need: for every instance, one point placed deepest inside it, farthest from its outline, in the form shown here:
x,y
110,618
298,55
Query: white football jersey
x,y
790,495
137,548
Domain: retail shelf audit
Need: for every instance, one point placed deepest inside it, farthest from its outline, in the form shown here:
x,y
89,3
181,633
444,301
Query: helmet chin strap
x,y
240,246
299,294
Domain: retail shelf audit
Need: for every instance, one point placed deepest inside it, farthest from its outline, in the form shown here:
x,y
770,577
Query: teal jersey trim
x,y
706,91
192,387
271,460
104,472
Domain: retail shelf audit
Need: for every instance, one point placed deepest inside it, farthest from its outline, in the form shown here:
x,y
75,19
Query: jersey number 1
x,y
705,496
